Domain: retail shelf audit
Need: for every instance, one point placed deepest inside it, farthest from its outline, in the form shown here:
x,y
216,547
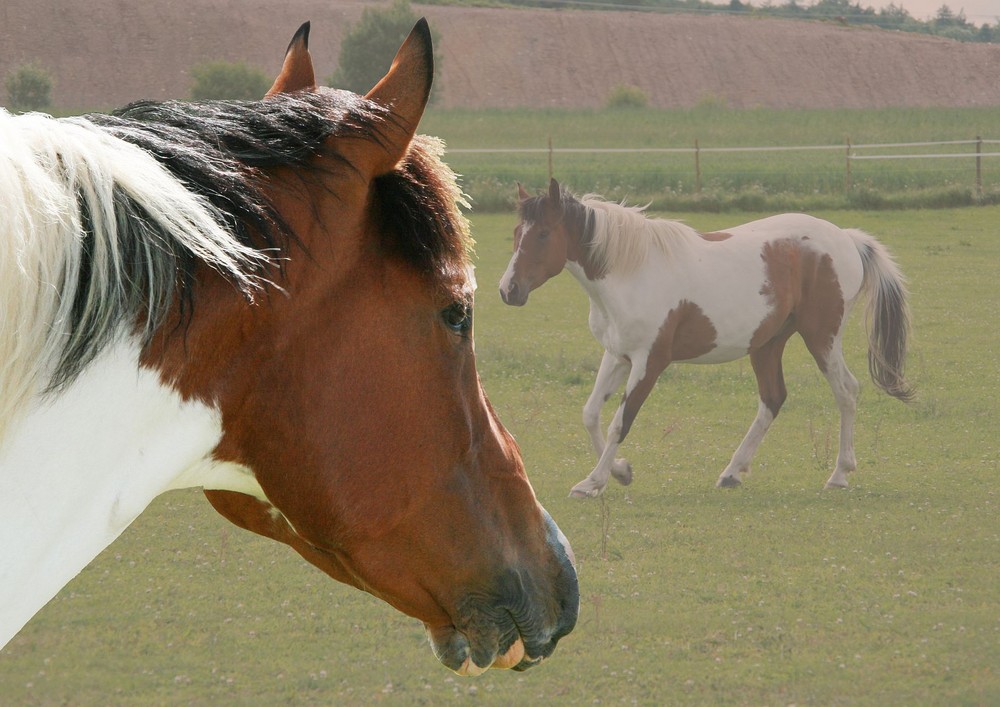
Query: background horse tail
x,y
887,316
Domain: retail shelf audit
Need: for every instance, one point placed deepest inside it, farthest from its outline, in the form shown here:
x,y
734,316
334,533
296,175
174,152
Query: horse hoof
x,y
835,485
622,471
728,482
584,491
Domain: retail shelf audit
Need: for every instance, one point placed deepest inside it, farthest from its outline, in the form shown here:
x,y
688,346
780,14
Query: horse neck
x,y
656,254
587,261
79,466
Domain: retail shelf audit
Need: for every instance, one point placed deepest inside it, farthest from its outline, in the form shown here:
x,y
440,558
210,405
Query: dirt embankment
x,y
105,53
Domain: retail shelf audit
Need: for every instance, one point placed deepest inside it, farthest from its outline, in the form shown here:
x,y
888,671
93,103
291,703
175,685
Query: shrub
x,y
225,80
709,103
627,97
28,88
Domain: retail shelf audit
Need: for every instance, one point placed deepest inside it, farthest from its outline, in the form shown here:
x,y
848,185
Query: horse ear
x,y
404,90
297,70
554,191
522,195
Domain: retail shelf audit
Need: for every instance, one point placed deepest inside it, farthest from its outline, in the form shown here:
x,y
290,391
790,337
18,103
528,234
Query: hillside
x,y
104,53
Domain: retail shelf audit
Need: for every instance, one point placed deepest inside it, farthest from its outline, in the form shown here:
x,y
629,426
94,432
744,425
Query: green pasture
x,y
801,180
776,593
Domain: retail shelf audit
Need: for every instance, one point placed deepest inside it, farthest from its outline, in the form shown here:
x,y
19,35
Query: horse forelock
x,y
578,220
419,205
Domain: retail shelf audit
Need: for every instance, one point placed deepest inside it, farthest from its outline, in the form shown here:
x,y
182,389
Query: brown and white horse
x,y
271,300
662,292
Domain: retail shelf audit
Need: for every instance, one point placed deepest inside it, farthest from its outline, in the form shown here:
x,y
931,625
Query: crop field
x,y
786,180
776,593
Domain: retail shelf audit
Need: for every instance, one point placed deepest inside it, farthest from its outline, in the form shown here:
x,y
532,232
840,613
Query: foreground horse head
x,y
271,300
662,292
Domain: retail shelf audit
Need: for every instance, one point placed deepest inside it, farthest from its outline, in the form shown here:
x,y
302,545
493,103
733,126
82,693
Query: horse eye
x,y
458,318
543,235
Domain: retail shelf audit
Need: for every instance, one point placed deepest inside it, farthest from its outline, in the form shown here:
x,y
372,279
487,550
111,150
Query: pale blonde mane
x,y
623,235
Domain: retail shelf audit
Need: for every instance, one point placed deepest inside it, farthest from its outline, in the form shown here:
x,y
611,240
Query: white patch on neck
x,y
80,466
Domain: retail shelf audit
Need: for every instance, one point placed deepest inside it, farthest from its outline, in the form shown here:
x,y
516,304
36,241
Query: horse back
x,y
746,285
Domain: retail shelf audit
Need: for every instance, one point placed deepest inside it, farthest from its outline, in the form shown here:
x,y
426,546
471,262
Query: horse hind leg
x,y
845,391
766,362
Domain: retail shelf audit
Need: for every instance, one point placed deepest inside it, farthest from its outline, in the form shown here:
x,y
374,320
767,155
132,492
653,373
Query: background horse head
x,y
271,300
662,292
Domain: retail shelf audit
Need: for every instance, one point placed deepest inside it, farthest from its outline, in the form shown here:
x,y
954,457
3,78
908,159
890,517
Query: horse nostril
x,y
507,290
511,293
566,585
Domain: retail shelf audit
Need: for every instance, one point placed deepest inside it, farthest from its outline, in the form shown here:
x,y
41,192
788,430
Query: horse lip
x,y
512,301
508,633
454,649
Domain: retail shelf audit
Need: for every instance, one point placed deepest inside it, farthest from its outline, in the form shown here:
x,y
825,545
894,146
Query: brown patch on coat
x,y
804,295
716,236
685,334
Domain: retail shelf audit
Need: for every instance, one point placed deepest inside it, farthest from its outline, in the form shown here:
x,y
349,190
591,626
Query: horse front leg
x,y
610,376
640,382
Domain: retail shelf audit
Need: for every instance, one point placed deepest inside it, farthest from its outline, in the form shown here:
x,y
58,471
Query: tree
x,y
368,47
224,80
28,88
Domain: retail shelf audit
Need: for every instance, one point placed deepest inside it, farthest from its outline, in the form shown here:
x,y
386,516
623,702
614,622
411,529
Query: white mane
x,y
623,235
64,188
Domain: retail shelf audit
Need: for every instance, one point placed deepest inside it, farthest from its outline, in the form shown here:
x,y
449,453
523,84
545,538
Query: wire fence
x,y
979,154
887,167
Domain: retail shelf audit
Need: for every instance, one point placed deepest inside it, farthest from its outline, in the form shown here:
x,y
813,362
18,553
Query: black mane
x,y
217,149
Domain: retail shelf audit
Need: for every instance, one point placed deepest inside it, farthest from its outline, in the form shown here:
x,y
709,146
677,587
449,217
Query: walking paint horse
x,y
662,292
271,300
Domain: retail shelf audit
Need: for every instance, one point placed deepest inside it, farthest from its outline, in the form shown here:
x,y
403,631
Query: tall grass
x,y
746,181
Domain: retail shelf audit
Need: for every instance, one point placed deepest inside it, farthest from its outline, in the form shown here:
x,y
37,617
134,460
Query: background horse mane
x,y
618,237
107,217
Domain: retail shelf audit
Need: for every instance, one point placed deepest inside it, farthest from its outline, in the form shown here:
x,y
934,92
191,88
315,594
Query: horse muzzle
x,y
512,292
519,623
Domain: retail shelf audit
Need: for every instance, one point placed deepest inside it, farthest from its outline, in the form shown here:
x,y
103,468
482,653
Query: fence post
x,y
550,158
847,173
697,167
979,167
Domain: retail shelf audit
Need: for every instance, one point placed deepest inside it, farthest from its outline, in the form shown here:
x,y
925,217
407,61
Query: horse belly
x,y
735,312
720,354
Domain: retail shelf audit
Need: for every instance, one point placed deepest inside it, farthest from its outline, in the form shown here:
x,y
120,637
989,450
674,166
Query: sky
x,y
976,11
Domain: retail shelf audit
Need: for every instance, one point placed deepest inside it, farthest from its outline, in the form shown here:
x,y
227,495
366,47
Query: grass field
x,y
745,181
777,593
